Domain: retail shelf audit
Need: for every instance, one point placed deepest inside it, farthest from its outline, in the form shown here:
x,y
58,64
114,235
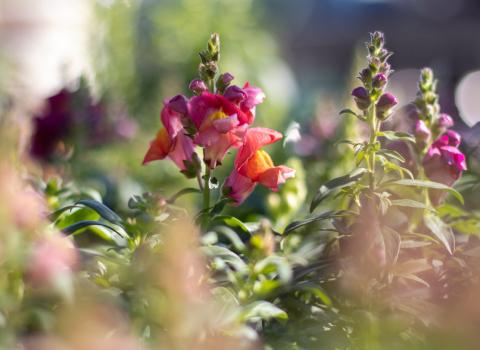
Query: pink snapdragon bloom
x,y
253,165
220,125
52,257
171,140
444,162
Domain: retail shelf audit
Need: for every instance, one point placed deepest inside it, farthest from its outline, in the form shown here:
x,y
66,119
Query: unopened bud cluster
x,y
208,70
375,79
428,107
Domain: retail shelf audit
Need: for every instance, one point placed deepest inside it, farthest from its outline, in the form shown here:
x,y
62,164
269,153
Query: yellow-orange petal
x,y
258,164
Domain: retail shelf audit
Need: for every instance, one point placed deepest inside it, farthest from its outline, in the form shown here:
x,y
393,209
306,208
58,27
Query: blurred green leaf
x,y
336,184
441,230
396,136
262,310
428,184
323,216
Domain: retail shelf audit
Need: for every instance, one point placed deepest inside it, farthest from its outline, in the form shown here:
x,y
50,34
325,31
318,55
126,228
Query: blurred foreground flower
x,y
54,257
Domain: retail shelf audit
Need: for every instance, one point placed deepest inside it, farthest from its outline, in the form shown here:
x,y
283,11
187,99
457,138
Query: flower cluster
x,y
442,160
218,118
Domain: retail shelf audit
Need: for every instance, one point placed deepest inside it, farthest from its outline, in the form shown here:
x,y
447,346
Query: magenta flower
x,y
444,162
255,96
220,124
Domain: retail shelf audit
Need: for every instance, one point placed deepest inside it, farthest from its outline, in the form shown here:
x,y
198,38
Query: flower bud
x,y
235,94
379,81
450,138
179,104
362,97
422,132
226,78
386,102
444,122
198,86
365,76
224,81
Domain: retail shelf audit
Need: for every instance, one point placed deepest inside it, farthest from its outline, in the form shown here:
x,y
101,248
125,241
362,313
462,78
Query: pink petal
x,y
226,124
240,187
275,176
255,138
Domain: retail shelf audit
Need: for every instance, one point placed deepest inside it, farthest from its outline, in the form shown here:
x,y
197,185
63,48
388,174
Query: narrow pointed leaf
x,y
104,211
323,216
429,184
441,230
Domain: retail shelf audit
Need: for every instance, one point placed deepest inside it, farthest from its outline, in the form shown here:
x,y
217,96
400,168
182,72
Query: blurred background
x,y
117,60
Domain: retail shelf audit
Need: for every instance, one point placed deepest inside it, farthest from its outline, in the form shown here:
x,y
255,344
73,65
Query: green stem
x,y
206,188
374,126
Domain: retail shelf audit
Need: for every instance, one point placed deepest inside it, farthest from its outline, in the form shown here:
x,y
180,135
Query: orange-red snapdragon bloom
x,y
171,140
253,165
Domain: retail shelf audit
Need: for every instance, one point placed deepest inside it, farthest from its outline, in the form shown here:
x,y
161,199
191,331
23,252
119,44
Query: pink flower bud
x,y
422,132
449,138
444,122
386,102
198,86
235,94
179,104
226,78
379,81
362,97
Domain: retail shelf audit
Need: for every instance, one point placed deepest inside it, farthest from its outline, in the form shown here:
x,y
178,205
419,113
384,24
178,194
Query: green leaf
x,y
441,230
227,256
275,264
336,184
218,207
410,203
111,235
76,214
392,155
315,289
183,192
232,222
262,310
392,241
396,136
428,184
231,236
391,166
348,111
323,216
104,211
